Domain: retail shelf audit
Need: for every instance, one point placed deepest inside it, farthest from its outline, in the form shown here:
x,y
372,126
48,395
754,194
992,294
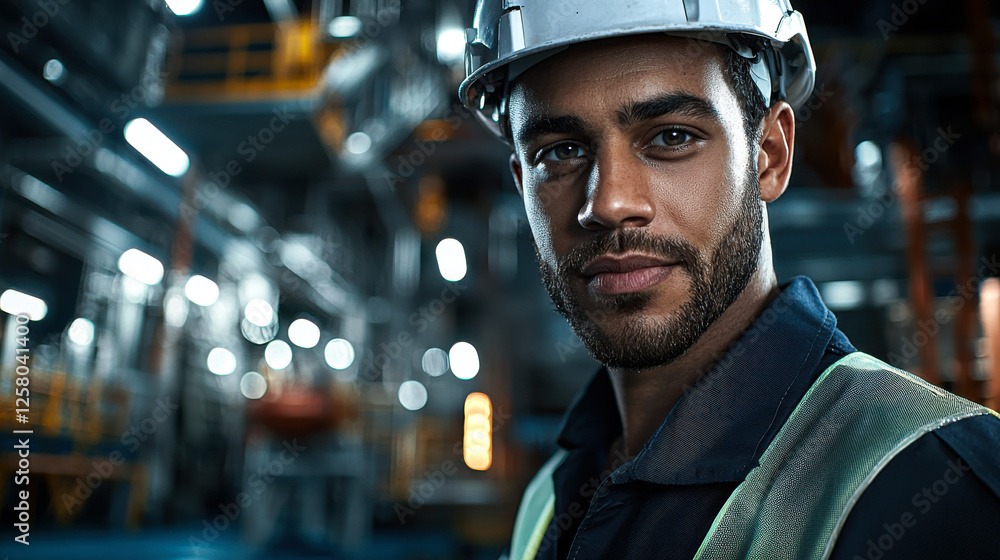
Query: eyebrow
x,y
539,126
681,104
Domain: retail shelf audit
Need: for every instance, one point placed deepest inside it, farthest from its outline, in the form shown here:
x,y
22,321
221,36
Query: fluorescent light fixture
x,y
259,313
221,361
451,259
184,7
142,267
343,27
201,291
303,333
156,147
339,354
434,362
451,45
412,395
53,71
253,385
20,303
464,360
81,331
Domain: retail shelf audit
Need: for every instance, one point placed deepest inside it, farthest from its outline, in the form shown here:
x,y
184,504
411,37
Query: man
x,y
732,419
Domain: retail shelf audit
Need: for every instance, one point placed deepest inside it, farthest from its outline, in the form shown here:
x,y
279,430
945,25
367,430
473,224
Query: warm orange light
x,y
477,448
478,402
989,308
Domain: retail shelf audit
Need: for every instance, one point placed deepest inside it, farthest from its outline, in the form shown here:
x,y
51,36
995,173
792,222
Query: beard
x,y
616,334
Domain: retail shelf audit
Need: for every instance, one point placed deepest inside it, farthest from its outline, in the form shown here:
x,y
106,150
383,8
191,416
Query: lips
x,y
622,274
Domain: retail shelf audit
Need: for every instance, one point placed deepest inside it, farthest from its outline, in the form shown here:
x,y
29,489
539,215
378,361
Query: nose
x,y
618,193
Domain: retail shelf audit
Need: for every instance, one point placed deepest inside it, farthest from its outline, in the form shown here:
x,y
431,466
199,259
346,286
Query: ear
x,y
777,146
515,170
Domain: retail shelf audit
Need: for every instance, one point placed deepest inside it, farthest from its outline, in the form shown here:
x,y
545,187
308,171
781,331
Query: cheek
x,y
551,215
540,222
731,197
698,200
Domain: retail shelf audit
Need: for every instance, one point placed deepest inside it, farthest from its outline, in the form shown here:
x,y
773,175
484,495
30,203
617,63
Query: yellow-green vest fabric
x,y
857,416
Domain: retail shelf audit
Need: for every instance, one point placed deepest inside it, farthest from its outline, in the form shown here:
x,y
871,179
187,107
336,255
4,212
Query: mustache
x,y
671,248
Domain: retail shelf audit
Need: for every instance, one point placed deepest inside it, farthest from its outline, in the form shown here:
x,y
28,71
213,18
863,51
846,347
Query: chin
x,y
660,302
636,344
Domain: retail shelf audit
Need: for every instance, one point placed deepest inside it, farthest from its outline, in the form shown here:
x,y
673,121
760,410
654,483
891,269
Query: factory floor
x,y
172,544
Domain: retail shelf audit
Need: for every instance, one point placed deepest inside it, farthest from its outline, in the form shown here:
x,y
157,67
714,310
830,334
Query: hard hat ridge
x,y
509,37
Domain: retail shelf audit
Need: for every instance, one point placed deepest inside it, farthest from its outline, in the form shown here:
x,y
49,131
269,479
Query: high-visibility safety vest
x,y
856,417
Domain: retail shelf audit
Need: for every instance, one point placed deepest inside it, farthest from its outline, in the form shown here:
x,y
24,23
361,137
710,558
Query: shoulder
x,y
939,497
977,441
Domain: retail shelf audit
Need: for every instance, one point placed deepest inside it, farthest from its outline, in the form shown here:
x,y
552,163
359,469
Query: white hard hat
x,y
511,36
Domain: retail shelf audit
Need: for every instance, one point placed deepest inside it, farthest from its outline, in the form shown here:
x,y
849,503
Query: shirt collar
x,y
719,428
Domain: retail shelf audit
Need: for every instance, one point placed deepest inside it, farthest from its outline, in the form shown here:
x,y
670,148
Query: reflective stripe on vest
x,y
859,414
536,510
856,417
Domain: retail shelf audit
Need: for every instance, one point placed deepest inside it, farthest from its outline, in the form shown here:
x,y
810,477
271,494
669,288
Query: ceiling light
x,y
156,147
201,291
53,71
451,259
451,45
303,333
412,395
253,385
358,143
464,360
434,362
844,294
221,361
259,313
278,354
81,331
343,27
19,303
339,354
184,7
175,309
142,267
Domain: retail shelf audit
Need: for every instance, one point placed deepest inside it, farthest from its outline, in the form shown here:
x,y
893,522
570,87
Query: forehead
x,y
602,76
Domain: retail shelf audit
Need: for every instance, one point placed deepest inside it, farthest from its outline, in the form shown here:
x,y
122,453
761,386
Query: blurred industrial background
x,y
281,299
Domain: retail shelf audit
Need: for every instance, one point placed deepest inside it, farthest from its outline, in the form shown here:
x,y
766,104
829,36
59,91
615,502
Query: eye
x,y
671,138
563,152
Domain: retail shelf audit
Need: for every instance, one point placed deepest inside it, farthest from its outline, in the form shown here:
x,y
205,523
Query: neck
x,y
644,398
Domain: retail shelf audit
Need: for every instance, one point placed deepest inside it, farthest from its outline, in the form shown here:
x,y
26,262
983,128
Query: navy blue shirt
x,y
939,497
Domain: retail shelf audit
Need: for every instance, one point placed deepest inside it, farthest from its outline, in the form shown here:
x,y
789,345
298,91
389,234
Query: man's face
x,y
641,190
